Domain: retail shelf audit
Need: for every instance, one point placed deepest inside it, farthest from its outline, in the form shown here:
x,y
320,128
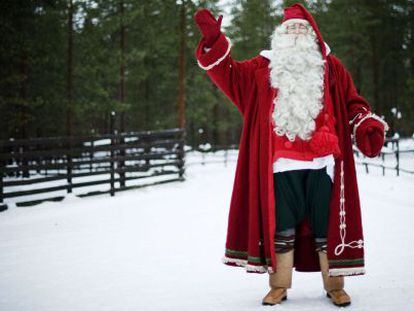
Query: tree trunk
x,y
181,68
121,95
375,74
215,124
24,72
69,107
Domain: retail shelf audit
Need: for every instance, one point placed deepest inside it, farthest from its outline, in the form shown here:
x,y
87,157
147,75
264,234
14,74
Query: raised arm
x,y
367,128
234,78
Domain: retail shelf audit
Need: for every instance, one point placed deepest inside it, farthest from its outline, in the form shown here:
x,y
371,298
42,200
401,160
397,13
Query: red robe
x,y
251,223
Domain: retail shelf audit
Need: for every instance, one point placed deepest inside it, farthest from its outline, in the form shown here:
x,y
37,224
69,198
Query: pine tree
x,y
252,24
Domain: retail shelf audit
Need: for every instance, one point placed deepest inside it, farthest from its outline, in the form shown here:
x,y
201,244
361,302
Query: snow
x,y
160,248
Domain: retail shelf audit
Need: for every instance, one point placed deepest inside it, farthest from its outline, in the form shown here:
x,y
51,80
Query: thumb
x,y
219,20
367,145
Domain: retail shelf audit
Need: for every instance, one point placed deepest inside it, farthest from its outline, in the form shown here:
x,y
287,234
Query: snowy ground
x,y
159,248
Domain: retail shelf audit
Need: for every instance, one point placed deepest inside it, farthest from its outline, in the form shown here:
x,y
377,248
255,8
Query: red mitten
x,y
370,137
208,25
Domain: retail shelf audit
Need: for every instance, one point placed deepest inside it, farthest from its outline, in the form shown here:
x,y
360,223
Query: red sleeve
x,y
357,106
234,78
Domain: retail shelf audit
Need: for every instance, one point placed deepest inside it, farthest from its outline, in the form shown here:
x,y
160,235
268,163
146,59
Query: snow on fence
x,y
207,154
29,167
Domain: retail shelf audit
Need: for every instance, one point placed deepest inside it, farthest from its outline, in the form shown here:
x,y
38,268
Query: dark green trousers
x,y
300,194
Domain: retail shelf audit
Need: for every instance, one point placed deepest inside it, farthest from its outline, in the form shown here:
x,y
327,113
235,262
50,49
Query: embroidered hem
x,y
347,271
245,264
250,263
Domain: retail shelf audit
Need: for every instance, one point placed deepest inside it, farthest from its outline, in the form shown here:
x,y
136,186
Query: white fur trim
x,y
346,271
218,61
369,115
268,53
238,262
327,48
252,268
248,267
296,20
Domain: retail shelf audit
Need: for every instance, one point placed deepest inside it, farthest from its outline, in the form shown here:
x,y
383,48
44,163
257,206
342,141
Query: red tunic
x,y
302,150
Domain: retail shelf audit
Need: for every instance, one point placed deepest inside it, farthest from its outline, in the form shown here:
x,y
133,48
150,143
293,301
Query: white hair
x,y
297,71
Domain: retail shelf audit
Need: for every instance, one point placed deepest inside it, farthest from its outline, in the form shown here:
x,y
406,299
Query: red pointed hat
x,y
299,11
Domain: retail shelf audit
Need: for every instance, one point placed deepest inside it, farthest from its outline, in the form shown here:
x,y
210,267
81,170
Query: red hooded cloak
x,y
251,223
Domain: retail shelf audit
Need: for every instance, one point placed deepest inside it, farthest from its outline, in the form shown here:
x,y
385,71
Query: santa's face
x,y
297,28
296,71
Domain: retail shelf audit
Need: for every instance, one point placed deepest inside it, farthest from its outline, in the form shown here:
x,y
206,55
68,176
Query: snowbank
x,y
159,248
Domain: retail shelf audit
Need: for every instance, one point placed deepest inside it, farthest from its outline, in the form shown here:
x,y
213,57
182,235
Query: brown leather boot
x,y
334,286
281,280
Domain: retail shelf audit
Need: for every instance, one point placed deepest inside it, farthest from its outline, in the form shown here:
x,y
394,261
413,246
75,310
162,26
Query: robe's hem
x,y
347,271
244,263
346,267
339,263
231,253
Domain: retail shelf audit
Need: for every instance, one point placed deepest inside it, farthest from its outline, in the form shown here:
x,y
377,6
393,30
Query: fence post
x,y
69,166
181,155
112,162
121,163
3,164
91,155
19,160
3,206
397,156
25,162
147,151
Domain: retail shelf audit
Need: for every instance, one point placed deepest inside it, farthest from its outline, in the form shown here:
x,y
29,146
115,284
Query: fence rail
x,y
52,164
112,159
392,156
392,149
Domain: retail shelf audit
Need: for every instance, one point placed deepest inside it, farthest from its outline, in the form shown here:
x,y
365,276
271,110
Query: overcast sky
x,y
226,5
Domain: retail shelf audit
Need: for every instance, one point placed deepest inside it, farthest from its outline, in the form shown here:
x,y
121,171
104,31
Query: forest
x,y
66,65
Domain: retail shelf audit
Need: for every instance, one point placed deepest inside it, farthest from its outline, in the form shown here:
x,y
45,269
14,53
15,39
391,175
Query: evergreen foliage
x,y
374,39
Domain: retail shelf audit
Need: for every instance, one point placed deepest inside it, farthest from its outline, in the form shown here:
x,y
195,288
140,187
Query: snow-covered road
x,y
159,248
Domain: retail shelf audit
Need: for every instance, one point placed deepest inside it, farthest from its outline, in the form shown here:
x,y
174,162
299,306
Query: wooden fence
x,y
391,157
392,150
123,157
45,165
206,152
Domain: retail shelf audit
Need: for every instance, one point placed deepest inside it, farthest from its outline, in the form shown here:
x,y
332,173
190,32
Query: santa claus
x,y
295,199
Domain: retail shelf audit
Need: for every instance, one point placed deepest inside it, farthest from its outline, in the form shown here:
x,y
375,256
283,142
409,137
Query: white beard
x,y
297,71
